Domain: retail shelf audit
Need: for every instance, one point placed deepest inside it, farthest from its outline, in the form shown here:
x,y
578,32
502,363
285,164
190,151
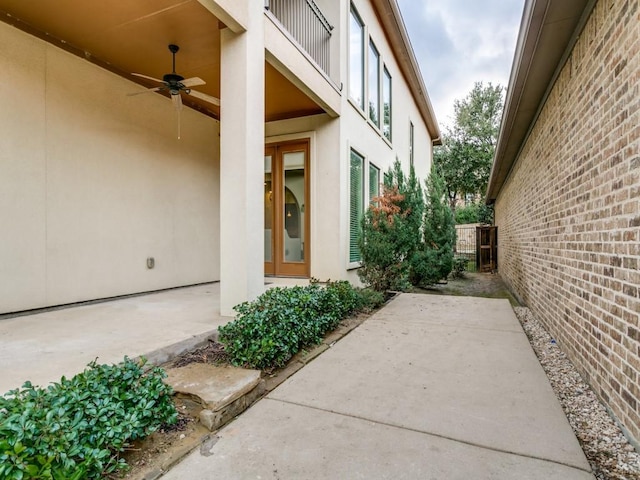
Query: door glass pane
x,y
268,209
293,195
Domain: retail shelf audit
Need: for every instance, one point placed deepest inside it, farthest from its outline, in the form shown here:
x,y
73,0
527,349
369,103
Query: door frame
x,y
278,267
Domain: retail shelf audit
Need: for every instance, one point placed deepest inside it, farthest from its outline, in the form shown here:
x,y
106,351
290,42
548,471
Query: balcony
x,y
307,25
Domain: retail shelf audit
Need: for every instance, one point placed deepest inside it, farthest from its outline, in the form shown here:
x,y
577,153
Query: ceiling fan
x,y
175,83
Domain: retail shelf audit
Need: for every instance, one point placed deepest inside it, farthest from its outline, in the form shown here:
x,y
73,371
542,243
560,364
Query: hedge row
x,y
267,332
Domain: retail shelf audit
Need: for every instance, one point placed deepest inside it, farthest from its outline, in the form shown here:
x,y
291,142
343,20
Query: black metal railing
x,y
306,23
466,245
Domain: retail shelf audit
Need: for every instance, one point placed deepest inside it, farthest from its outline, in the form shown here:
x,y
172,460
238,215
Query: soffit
x,y
132,36
283,99
547,32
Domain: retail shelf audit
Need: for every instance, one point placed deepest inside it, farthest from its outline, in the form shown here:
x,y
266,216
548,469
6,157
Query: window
x,y
386,104
411,143
387,179
356,58
356,204
374,182
374,84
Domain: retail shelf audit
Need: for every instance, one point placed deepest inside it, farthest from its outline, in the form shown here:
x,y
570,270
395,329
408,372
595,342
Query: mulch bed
x,y
212,353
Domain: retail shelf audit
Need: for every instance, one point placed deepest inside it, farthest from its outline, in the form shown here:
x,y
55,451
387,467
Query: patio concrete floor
x,y
44,346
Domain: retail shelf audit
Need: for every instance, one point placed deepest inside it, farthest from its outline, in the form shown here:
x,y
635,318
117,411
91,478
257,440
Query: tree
x,y
477,212
383,243
434,261
392,231
464,159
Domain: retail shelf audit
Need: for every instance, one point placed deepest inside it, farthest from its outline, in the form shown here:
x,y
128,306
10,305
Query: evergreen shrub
x,y
392,229
75,429
434,261
407,239
268,331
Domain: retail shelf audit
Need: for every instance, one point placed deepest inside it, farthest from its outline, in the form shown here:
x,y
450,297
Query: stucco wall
x,y
569,215
326,244
359,133
331,141
93,182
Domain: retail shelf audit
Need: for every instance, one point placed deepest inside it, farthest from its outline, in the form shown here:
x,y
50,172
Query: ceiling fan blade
x,y
193,82
147,77
149,90
177,101
205,97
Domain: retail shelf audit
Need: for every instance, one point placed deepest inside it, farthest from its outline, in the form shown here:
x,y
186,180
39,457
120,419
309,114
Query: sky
x,y
460,42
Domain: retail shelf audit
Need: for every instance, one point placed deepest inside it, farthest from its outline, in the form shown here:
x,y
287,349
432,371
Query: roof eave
x,y
548,31
392,22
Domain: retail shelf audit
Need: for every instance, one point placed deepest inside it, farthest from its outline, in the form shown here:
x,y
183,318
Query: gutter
x,y
517,121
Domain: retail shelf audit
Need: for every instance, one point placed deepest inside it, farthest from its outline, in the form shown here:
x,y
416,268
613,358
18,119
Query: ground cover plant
x,y
76,428
268,331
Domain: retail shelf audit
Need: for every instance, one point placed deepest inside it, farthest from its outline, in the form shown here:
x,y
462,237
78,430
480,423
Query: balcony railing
x,y
306,23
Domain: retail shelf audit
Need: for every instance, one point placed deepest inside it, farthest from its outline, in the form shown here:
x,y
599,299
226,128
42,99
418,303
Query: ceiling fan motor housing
x,y
173,81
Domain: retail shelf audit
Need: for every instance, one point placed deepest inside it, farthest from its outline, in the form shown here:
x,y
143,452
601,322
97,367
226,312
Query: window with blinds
x,y
356,204
374,182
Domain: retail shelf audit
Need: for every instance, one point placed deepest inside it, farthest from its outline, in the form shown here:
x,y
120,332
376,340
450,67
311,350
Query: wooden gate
x,y
486,249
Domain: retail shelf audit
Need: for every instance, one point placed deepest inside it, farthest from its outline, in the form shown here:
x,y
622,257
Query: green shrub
x,y
435,261
474,213
407,239
369,299
76,428
267,332
467,214
426,267
391,232
382,246
459,267
348,299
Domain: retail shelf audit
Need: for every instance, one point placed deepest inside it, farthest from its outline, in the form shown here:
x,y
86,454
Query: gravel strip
x,y
609,452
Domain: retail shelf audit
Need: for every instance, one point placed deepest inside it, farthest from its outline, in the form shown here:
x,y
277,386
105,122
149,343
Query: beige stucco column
x,y
242,161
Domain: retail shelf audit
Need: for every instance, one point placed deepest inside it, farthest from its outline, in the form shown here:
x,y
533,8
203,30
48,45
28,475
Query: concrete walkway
x,y
44,346
428,388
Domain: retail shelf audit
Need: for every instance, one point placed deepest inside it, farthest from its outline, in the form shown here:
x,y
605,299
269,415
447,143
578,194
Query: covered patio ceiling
x,y
132,36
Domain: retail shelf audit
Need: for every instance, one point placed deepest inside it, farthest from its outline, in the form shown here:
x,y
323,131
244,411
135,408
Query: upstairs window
x,y
386,104
356,58
374,84
411,143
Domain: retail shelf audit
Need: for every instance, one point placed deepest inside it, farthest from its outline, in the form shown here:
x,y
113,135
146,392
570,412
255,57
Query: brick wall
x,y
569,214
